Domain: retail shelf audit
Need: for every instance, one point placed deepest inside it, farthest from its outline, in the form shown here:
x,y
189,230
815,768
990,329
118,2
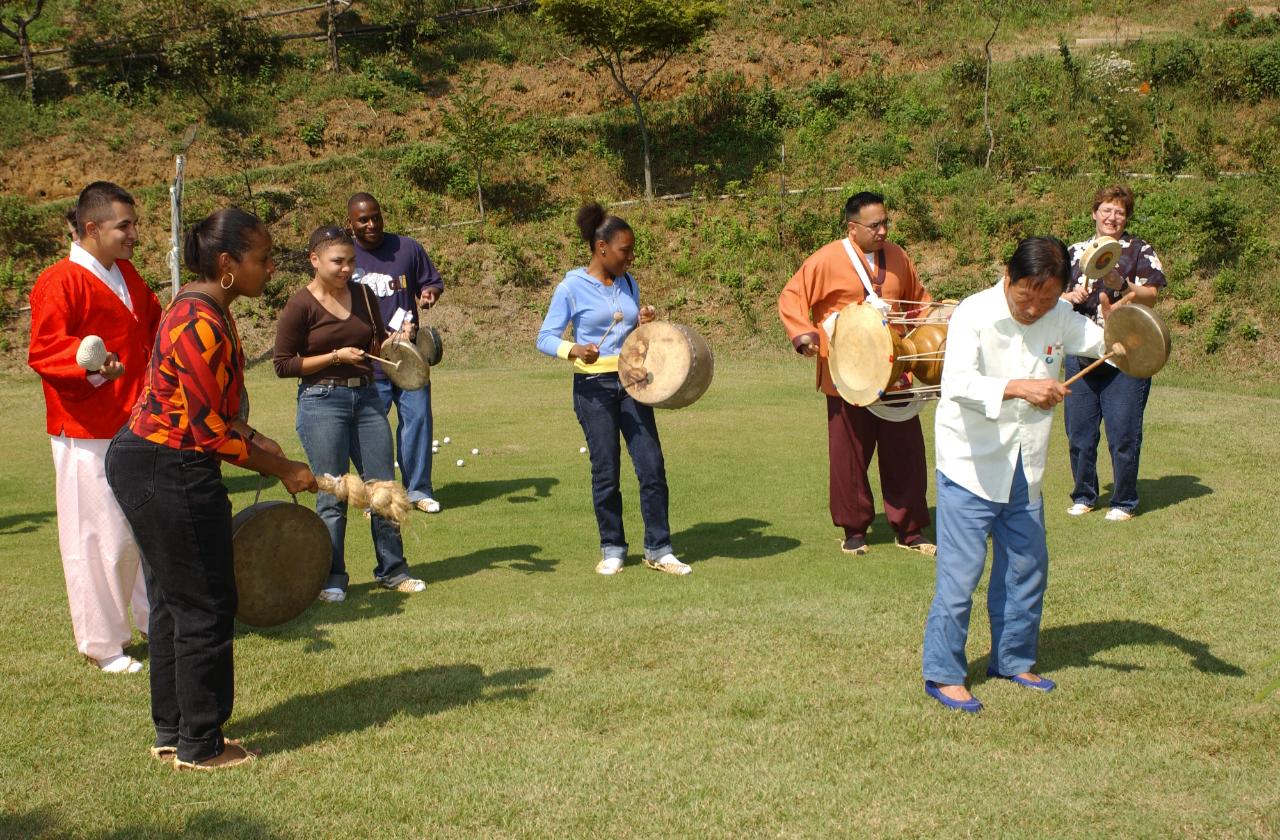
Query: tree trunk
x,y
331,7
28,61
986,93
644,141
479,195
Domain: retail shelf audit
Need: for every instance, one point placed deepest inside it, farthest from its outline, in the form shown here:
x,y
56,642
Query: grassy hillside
x,y
887,96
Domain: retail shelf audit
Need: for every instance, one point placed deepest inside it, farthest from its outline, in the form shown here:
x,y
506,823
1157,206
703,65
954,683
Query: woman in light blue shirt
x,y
602,302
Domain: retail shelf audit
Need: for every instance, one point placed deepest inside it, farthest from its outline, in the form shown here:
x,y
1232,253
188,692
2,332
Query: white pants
x,y
99,557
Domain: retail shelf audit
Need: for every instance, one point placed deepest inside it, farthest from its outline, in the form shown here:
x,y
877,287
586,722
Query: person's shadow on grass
x,y
366,703
1078,645
740,539
1169,490
210,823
519,558
24,523
517,491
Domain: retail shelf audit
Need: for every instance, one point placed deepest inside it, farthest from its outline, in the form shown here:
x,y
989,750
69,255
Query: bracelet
x,y
333,358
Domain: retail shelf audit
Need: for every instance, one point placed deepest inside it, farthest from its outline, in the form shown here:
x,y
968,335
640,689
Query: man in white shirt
x,y
1000,382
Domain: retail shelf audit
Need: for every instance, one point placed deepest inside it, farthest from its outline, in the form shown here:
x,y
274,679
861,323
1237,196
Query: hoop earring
x,y
223,282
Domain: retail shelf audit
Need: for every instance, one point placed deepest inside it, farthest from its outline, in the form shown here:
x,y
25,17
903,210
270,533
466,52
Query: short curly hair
x,y
1117,193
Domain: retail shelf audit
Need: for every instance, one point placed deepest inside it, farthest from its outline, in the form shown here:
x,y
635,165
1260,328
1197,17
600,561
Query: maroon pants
x,y
852,436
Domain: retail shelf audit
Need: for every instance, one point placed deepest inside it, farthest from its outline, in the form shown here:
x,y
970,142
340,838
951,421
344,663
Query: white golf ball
x,y
448,440
435,450
475,452
460,462
435,443
582,450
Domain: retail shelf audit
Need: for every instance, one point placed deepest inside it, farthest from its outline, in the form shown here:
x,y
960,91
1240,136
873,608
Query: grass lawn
x,y
774,692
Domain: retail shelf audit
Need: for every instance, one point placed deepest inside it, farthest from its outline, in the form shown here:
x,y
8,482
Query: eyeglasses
x,y
1112,213
883,223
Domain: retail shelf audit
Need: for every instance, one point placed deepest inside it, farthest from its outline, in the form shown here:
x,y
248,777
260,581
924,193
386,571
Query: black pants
x,y
177,505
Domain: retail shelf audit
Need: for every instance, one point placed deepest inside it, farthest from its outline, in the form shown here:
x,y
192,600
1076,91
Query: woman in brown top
x,y
322,337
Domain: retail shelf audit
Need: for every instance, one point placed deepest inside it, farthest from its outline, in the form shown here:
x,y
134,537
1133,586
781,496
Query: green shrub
x,y
1250,332
1185,314
311,131
22,230
427,166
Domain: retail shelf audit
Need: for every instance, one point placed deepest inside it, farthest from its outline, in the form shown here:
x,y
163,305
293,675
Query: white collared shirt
x,y
977,432
111,276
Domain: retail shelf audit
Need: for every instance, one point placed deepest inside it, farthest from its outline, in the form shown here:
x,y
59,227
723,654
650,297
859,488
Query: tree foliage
x,y
633,40
479,130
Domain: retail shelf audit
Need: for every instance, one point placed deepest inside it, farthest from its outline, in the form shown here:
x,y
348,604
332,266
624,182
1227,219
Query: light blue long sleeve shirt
x,y
588,304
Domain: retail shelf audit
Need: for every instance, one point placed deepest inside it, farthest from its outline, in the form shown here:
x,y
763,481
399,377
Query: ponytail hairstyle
x,y
596,225
1039,260
226,231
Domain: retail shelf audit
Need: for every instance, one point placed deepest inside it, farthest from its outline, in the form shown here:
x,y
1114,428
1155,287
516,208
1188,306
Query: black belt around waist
x,y
349,382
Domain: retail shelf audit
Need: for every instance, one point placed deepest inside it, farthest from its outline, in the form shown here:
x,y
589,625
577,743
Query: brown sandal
x,y
233,755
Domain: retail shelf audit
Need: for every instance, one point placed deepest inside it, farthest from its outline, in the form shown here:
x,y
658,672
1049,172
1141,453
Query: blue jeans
x,y
413,435
1116,399
1015,593
604,410
338,425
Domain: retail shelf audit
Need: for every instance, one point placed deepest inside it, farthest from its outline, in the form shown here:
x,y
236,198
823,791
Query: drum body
x,y
1100,257
665,365
868,356
413,372
282,559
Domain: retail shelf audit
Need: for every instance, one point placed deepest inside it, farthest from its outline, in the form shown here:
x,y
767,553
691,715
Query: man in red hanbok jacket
x,y
95,291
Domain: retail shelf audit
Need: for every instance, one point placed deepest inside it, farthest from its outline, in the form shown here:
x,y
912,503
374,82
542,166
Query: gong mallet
x,y
617,319
368,355
1117,349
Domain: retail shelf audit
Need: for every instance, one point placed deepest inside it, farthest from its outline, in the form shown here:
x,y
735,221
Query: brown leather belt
x,y
352,382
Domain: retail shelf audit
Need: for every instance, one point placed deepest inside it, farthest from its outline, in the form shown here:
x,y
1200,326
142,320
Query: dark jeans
x,y
337,426
605,409
1116,399
177,505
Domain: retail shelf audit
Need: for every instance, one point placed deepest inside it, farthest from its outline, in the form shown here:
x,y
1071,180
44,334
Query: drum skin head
x,y
665,365
1100,257
430,345
282,559
1144,336
413,372
861,357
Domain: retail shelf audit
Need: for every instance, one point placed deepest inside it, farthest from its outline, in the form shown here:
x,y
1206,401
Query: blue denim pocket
x,y
314,392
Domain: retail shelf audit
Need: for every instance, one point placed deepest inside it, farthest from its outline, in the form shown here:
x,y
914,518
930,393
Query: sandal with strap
x,y
233,754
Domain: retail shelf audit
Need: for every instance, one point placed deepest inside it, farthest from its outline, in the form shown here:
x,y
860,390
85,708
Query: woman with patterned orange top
x,y
164,467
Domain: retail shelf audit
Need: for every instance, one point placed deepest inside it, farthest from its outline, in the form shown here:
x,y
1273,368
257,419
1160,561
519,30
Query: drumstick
x,y
384,361
617,319
1117,349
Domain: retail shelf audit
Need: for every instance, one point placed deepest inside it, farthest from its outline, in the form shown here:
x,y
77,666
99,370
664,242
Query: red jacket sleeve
x,y
54,340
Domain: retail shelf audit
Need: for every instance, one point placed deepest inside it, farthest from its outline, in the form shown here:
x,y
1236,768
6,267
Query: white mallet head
x,y
92,353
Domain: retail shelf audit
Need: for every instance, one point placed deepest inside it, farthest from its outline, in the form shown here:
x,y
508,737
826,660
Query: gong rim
x,y
430,345
413,372
282,555
1144,336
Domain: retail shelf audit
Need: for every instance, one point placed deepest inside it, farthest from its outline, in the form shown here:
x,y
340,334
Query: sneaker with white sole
x,y
334,595
427,505
1118,515
609,566
1079,509
669,564
409,586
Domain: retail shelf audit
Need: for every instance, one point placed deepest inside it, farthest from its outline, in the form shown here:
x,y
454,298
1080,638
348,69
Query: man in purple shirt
x,y
398,272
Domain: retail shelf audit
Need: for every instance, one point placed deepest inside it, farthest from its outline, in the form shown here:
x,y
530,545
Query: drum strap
x,y
375,318
860,267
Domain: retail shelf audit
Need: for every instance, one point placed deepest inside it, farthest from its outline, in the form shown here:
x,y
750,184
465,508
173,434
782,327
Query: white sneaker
x,y
1118,515
1079,509
333,595
427,505
609,566
669,564
119,665
409,585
